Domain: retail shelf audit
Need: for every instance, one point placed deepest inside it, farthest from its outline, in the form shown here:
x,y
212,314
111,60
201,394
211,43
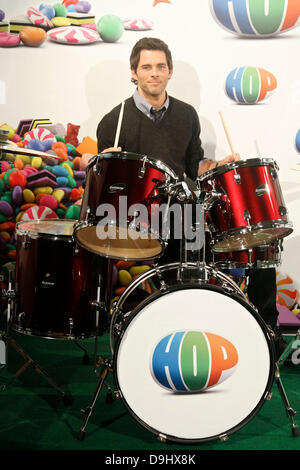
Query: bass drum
x,y
193,362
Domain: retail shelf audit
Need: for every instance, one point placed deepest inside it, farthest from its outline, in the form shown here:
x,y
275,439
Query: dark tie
x,y
157,113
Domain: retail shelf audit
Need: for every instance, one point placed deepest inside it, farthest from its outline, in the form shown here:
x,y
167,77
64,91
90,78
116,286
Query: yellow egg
x,y
19,216
43,190
124,277
137,270
28,195
68,168
10,157
36,162
25,159
58,194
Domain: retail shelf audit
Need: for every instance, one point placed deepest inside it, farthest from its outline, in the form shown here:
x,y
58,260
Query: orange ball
x,y
74,194
19,164
76,163
17,178
32,36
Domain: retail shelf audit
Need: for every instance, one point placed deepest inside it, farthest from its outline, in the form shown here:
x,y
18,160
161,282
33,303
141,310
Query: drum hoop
x,y
256,264
255,410
85,224
238,164
170,266
157,164
248,229
142,277
45,235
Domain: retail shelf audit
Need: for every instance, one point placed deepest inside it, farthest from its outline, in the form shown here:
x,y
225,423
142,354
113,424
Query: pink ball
x,y
4,166
48,201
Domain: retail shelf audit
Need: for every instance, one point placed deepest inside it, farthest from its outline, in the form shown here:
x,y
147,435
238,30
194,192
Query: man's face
x,y
152,73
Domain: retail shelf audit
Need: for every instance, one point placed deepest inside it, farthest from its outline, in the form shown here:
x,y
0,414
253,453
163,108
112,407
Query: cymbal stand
x,y
5,336
106,367
193,237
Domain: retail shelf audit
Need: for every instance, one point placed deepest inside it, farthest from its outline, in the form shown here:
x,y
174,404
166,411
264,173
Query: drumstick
x,y
257,149
227,134
119,125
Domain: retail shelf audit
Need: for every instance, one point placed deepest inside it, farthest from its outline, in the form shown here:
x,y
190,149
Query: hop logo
x,y
192,361
249,85
256,17
297,141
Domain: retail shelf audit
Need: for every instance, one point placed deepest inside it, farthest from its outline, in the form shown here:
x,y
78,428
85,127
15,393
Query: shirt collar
x,y
143,104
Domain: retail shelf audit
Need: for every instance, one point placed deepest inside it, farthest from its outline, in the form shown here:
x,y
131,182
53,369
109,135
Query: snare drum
x,y
205,366
56,281
123,193
246,206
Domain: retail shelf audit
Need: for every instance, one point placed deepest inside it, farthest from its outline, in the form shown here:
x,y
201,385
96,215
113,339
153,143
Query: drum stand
x,y
289,410
106,367
4,336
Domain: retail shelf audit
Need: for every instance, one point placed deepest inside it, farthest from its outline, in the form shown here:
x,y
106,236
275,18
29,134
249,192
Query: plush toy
x,y
72,134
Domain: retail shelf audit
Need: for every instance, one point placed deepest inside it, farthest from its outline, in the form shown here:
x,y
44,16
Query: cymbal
x,y
14,149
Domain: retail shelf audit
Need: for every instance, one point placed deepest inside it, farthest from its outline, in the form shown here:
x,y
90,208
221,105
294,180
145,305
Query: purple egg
x,y
79,175
6,209
114,275
17,195
2,15
82,7
66,190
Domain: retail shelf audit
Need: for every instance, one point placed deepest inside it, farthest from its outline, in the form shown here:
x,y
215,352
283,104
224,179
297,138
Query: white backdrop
x,y
79,84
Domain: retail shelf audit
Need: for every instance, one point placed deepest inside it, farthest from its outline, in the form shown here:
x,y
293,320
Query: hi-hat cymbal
x,y
14,149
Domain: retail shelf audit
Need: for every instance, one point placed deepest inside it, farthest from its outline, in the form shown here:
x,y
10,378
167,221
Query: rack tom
x,y
245,205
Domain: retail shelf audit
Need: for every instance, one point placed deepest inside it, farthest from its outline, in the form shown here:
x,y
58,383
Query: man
x,y
173,137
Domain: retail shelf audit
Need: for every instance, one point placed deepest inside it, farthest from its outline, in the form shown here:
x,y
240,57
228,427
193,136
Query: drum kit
x,y
193,361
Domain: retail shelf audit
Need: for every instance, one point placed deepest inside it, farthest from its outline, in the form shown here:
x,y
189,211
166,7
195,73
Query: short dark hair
x,y
149,44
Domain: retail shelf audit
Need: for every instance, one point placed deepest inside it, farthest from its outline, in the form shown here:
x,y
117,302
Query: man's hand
x,y
112,149
210,165
230,158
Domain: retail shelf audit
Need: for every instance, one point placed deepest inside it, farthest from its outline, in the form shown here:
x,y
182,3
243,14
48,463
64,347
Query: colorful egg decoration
x,y
73,35
256,17
249,85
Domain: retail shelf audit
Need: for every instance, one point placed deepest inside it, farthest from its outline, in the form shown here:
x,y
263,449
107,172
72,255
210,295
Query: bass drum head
x,y
194,364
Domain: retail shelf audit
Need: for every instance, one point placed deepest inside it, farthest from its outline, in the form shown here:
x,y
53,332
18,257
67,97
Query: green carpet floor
x,y
34,417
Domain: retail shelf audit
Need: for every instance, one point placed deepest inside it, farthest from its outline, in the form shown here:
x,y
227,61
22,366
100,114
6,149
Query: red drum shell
x,y
260,257
55,282
249,209
110,176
